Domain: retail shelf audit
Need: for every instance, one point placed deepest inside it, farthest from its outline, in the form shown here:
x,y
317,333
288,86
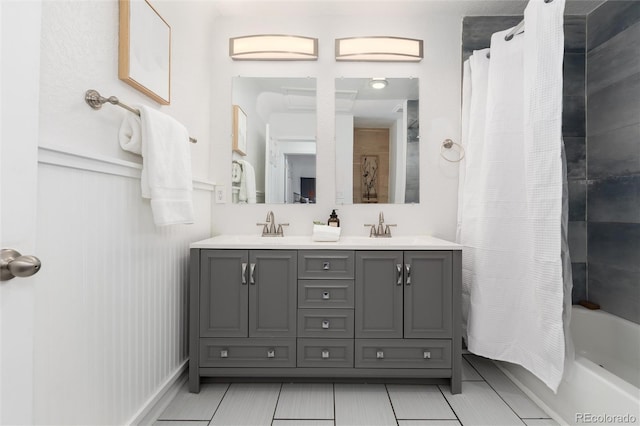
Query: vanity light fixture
x,y
378,83
273,47
379,48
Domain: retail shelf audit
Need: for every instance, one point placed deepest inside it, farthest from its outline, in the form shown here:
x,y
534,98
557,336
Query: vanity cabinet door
x,y
272,293
427,294
379,294
223,293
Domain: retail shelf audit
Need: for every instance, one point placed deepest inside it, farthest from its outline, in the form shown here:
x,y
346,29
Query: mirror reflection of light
x,y
378,83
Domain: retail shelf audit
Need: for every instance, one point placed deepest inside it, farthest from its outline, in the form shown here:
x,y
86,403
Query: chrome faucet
x,y
272,221
381,230
269,228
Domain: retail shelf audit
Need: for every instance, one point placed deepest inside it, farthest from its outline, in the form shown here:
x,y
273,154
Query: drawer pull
x,y
326,295
325,324
326,266
224,353
271,353
426,354
244,273
399,273
380,354
325,354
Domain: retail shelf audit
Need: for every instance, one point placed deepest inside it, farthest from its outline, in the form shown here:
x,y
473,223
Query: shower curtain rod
x,y
518,27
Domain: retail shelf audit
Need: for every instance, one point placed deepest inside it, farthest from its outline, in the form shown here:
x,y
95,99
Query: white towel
x,y
325,233
130,134
166,163
247,192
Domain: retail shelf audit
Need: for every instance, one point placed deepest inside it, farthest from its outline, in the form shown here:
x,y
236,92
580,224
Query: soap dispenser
x,y
333,219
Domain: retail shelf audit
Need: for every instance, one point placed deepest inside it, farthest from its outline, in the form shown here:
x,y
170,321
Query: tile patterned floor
x,y
488,398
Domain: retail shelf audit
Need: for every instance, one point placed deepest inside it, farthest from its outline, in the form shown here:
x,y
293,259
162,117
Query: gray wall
x,y
613,158
476,34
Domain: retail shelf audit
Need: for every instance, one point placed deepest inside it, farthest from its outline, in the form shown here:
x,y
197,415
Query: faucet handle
x,y
372,231
265,229
387,231
280,230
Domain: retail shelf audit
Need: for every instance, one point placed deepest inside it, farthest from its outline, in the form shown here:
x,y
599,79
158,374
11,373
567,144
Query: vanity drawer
x,y
253,352
325,264
325,353
399,353
336,323
325,293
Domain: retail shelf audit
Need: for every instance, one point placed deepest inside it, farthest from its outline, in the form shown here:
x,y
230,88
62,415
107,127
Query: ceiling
x,y
386,8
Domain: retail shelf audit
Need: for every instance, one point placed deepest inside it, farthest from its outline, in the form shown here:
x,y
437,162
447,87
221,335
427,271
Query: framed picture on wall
x,y
369,174
144,54
239,131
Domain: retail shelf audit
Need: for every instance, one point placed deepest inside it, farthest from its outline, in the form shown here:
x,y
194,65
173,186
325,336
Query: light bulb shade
x,y
273,47
379,48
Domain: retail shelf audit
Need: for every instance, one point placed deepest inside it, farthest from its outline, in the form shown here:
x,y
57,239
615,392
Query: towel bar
x,y
95,101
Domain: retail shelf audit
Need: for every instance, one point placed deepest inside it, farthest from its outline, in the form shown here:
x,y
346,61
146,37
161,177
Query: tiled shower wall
x,y
476,34
613,158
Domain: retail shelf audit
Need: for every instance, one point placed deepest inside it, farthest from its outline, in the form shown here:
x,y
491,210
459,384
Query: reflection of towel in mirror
x,y
166,163
247,183
236,172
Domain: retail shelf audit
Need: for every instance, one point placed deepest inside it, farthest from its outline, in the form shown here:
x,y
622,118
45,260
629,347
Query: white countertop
x,y
418,242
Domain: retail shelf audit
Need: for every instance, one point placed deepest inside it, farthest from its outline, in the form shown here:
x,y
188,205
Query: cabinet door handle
x,y
326,295
399,274
380,354
271,353
408,267
325,324
252,271
326,266
244,273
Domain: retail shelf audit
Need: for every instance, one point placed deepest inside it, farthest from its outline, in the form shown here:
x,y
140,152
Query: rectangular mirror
x,y
377,140
274,140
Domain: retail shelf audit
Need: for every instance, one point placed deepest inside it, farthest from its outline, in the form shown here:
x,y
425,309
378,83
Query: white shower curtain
x,y
510,212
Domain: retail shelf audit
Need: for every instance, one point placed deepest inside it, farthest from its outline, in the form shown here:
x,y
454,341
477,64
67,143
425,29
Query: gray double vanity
x,y
360,309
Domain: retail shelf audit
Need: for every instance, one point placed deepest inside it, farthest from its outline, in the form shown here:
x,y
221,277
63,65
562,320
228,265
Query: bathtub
x,y
603,385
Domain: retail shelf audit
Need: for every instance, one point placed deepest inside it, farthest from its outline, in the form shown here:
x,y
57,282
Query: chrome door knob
x,y
13,264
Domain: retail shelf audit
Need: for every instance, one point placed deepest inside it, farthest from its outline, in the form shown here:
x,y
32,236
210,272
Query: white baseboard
x,y
155,405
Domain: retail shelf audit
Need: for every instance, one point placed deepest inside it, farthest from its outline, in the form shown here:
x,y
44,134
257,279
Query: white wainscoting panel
x,y
111,298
